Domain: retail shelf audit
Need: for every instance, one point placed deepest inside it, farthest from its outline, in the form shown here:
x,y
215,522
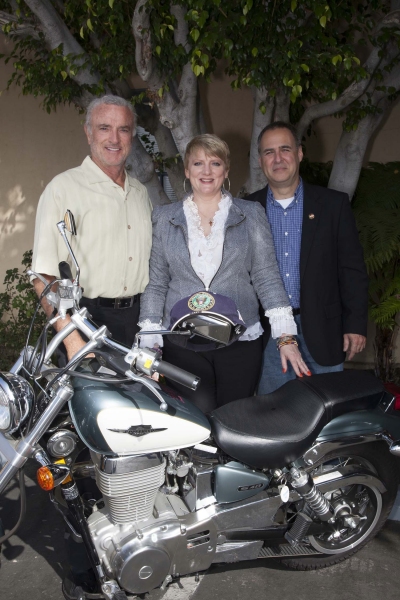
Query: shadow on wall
x,y
16,219
240,153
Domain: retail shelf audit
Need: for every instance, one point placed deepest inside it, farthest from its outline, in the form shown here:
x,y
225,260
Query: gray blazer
x,y
248,268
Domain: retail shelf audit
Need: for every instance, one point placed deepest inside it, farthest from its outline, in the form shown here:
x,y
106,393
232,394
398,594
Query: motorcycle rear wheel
x,y
374,506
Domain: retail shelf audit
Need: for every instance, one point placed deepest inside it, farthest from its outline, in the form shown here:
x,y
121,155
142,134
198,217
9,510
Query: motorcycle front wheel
x,y
369,506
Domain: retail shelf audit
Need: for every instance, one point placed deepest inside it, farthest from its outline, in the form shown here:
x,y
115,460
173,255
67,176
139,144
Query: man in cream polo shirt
x,y
113,220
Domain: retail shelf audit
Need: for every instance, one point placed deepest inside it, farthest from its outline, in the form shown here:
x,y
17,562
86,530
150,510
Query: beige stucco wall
x,y
36,146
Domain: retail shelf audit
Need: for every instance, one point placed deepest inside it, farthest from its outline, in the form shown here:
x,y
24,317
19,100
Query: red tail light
x,y
394,389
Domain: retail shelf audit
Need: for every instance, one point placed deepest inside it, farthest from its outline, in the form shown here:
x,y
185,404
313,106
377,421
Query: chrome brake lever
x,y
31,273
150,385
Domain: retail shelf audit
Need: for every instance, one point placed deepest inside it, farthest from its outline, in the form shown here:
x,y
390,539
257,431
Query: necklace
x,y
209,219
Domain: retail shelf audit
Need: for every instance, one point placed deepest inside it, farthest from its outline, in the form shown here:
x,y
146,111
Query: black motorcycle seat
x,y
273,430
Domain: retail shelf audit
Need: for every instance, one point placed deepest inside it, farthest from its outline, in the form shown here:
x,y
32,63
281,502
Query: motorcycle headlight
x,y
16,399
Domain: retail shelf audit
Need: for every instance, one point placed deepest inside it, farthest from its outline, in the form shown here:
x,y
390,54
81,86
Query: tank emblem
x,y
201,301
246,488
139,430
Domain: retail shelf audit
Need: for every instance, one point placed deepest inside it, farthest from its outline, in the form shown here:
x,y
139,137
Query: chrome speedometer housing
x,y
16,401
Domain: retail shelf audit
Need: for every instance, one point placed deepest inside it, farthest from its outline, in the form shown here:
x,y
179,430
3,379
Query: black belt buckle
x,y
126,302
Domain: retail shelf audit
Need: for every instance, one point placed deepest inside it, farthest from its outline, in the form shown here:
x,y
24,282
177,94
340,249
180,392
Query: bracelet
x,y
286,340
287,344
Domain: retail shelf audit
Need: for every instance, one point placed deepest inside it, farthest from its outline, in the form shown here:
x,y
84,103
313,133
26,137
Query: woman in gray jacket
x,y
211,241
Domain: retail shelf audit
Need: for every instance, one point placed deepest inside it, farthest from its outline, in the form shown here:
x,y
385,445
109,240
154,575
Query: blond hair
x,y
211,144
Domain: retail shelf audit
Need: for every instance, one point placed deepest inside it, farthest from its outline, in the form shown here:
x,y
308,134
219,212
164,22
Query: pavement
x,y
32,564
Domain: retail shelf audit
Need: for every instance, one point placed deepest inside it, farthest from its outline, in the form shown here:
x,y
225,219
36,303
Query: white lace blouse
x,y
206,257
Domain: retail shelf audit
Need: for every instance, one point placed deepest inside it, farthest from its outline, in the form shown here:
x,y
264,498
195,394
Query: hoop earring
x,y
229,183
184,186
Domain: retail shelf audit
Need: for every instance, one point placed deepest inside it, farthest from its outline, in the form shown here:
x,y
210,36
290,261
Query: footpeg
x,y
112,591
299,530
120,595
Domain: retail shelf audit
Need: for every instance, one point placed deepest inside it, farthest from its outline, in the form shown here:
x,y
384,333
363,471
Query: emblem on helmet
x,y
201,301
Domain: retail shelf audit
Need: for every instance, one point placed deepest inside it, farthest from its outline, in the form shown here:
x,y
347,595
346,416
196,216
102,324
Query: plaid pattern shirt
x,y
286,225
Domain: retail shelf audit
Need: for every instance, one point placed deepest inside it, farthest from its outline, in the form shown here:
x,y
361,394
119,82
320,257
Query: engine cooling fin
x,y
286,550
129,497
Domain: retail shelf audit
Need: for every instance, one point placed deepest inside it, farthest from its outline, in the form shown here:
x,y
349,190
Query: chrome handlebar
x,y
141,361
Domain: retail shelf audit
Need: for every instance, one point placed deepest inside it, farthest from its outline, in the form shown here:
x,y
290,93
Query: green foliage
x,y
377,209
315,173
308,48
104,31
17,306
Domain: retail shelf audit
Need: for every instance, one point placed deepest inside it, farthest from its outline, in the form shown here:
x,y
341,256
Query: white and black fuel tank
x,y
126,419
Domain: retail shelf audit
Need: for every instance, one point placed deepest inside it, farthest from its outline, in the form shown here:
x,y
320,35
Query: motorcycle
x,y
155,490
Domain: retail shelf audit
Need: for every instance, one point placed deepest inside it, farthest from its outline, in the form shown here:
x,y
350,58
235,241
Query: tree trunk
x,y
256,179
384,345
140,165
282,105
350,153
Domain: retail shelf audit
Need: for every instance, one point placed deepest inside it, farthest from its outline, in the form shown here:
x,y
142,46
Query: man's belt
x,y
113,302
296,311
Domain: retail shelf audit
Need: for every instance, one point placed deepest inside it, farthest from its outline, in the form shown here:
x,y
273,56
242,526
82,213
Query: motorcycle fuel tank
x,y
126,419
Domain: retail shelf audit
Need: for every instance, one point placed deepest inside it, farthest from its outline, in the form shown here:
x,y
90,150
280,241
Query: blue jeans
x,y
272,377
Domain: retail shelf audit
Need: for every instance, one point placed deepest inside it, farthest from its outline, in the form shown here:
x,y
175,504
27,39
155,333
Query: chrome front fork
x,y
16,454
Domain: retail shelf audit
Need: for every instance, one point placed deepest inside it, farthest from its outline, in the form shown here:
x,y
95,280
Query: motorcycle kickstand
x,y
166,581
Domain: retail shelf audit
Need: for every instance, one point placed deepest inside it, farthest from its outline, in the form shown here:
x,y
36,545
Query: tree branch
x,y
282,105
181,33
22,30
142,35
350,153
57,33
177,114
351,149
354,90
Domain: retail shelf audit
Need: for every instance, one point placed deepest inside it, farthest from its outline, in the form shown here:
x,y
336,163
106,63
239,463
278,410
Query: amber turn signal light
x,y
50,476
45,479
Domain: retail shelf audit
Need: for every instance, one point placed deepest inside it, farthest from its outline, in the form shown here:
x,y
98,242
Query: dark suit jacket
x,y
333,277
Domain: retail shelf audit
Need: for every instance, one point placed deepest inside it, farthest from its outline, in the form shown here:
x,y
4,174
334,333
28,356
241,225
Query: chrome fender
x,y
349,475
322,448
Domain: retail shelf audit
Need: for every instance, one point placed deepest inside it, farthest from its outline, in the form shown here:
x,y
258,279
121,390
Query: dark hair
x,y
279,125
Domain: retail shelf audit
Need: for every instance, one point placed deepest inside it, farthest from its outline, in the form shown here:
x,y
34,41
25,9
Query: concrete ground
x,y
32,564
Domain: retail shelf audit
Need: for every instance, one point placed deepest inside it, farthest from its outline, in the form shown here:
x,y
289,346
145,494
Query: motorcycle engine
x,y
135,528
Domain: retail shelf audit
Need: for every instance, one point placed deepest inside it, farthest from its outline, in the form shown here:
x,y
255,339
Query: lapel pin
x,y
311,216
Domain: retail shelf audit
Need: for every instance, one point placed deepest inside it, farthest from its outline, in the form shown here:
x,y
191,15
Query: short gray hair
x,y
109,99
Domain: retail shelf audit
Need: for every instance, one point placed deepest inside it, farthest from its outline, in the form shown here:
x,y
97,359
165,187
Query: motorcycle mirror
x,y
69,222
215,328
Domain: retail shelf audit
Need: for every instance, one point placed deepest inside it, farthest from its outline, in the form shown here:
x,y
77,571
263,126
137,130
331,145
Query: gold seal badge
x,y
201,301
